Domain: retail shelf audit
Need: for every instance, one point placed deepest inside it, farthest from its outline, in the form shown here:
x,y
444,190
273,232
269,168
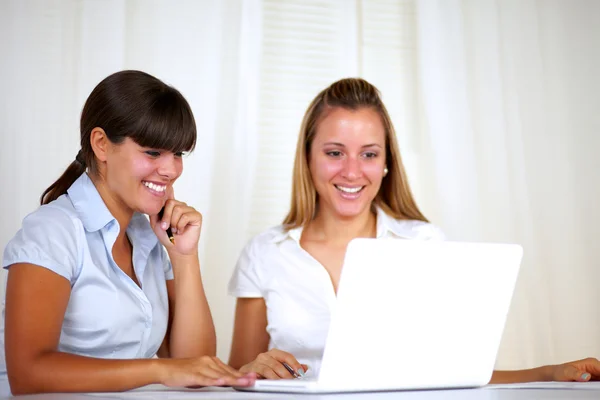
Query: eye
x,y
180,154
370,154
334,153
153,153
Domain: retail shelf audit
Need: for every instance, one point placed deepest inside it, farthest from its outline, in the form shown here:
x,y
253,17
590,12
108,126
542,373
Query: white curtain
x,y
509,93
55,52
500,139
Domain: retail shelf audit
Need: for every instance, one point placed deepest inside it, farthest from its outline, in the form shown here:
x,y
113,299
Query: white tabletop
x,y
591,391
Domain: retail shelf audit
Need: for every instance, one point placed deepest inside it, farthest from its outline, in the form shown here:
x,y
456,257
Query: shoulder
x,y
415,229
262,247
57,217
248,279
49,237
266,240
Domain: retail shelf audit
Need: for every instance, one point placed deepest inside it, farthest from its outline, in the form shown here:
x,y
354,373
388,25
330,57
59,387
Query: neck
x,y
120,211
329,227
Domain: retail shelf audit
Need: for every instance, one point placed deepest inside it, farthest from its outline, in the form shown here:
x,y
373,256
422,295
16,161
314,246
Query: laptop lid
x,y
418,314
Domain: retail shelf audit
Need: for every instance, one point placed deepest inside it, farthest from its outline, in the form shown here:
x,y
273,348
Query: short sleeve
x,y
167,266
245,280
48,238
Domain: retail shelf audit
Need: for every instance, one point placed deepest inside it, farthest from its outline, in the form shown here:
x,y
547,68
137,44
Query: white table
x,y
488,393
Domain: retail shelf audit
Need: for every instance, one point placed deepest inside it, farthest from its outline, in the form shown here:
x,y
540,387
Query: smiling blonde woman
x,y
348,182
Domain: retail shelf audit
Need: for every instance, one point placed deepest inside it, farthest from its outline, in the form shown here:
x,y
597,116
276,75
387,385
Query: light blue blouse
x,y
108,315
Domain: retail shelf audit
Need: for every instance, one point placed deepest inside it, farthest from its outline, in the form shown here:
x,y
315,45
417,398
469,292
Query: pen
x,y
291,371
169,233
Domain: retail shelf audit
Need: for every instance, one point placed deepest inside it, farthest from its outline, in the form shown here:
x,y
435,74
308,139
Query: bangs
x,y
168,124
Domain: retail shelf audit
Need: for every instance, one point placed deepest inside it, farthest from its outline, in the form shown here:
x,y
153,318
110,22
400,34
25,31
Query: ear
x,y
100,144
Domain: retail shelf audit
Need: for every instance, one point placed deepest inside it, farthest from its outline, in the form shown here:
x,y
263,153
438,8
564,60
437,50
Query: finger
x,y
182,223
591,365
279,369
187,219
230,369
584,377
266,372
178,223
229,381
244,382
220,378
167,212
305,367
170,192
218,382
209,372
225,373
155,223
289,359
274,364
572,373
202,381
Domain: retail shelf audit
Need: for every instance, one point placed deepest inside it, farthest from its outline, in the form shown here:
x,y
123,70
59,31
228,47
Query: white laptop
x,y
414,315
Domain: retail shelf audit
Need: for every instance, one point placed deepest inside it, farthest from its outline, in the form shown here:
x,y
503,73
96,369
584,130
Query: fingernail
x,y
173,230
164,225
585,376
301,372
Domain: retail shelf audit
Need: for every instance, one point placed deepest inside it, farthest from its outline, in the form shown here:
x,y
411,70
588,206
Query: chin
x,y
150,209
350,210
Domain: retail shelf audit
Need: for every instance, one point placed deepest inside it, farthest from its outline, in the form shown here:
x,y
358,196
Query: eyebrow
x,y
342,145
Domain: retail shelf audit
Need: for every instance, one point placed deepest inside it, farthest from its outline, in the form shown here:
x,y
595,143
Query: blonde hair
x,y
394,197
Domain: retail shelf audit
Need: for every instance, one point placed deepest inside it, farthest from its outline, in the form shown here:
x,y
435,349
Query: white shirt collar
x,y
386,226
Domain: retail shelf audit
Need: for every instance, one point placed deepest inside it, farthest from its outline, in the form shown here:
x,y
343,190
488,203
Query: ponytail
x,y
129,104
58,188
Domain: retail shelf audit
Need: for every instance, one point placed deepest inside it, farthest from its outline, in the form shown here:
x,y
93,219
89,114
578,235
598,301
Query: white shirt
x,y
108,314
297,289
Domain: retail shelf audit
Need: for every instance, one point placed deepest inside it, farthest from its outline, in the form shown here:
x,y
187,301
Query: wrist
x,y
245,368
544,373
158,370
179,258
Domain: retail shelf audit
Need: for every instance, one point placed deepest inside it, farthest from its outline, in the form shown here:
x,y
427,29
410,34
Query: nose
x,y
169,167
352,168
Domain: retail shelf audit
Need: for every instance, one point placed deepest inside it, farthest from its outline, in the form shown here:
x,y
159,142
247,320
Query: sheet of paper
x,y
595,385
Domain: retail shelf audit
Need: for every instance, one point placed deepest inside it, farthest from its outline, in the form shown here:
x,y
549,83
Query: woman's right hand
x,y
269,365
202,371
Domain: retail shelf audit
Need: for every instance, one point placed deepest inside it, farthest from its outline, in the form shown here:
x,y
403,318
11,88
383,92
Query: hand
x,y
270,365
580,371
185,223
202,371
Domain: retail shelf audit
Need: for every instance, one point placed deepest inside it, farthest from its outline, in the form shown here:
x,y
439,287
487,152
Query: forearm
x,y
62,372
520,376
192,330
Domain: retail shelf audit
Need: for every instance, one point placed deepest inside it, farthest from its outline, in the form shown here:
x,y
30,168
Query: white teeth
x,y
349,190
155,187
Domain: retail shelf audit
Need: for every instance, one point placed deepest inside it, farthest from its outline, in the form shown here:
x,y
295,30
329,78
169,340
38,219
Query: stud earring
x,y
385,171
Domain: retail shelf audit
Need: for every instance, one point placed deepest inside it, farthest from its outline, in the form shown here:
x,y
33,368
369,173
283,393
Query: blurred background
x,y
494,103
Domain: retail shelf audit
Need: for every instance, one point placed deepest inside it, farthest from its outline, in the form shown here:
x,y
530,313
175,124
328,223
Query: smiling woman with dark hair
x,y
95,290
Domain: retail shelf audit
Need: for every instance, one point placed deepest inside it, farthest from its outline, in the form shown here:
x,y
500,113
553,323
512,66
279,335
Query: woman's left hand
x,y
185,223
580,370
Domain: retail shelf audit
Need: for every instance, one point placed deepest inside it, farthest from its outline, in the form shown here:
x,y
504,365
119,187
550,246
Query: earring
x,y
385,171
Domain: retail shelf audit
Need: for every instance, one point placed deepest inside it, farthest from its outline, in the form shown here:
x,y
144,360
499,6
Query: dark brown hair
x,y
129,104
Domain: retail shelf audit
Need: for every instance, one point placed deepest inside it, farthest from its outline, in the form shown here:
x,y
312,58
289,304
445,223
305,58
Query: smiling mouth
x,y
155,187
350,190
